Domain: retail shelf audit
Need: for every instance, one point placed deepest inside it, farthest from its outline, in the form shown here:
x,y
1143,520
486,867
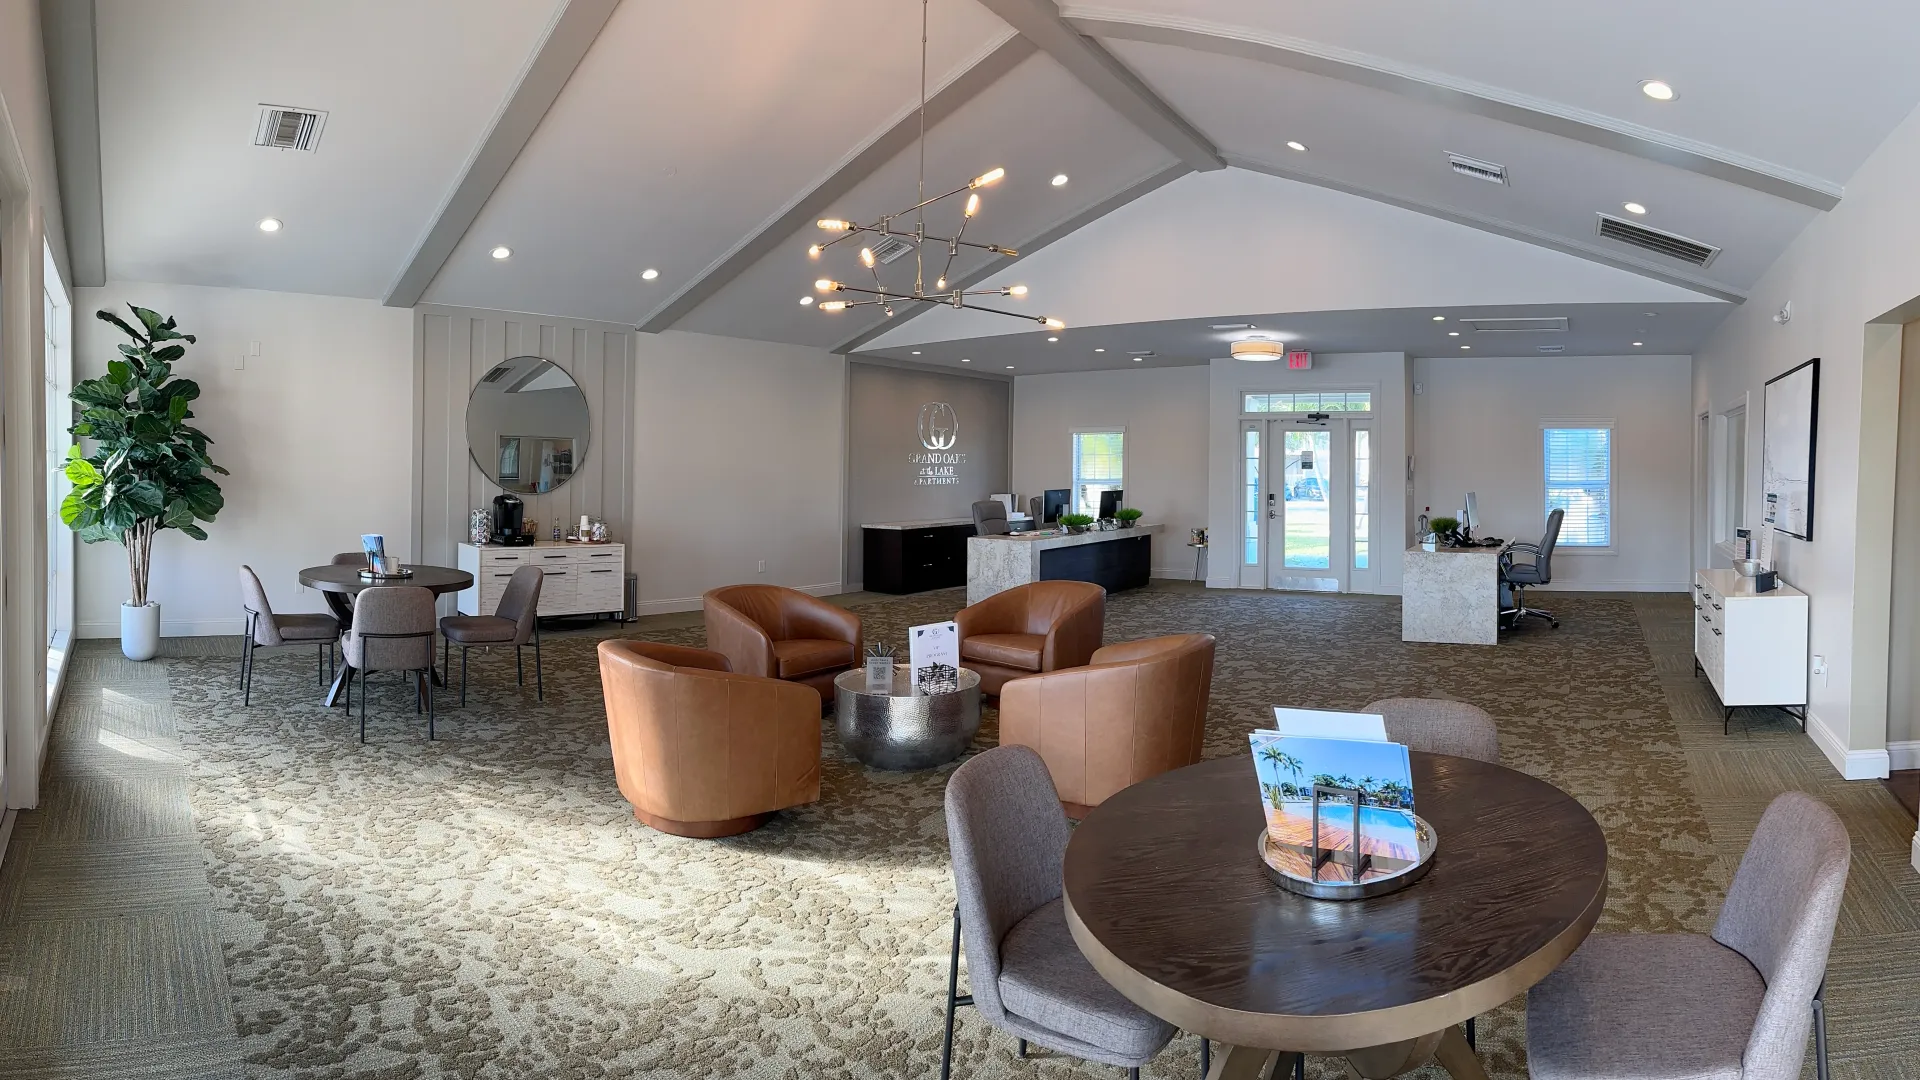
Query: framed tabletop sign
x,y
933,653
1792,414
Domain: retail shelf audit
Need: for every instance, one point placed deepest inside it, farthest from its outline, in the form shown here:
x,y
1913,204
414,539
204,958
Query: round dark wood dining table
x,y
340,583
1167,898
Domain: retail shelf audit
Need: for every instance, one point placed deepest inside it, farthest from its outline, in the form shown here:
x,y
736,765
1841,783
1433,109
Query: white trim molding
x,y
673,605
1851,764
1903,755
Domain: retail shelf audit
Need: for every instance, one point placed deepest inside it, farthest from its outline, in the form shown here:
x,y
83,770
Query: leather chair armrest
x,y
1143,649
1071,642
747,647
816,618
682,655
994,615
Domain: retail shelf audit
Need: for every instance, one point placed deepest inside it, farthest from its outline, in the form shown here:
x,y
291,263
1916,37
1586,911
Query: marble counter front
x,y
998,563
1451,595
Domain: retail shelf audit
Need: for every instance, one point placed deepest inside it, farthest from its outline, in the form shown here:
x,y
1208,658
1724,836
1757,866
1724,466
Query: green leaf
x,y
99,392
169,354
71,508
194,531
204,496
149,318
177,409
178,516
110,317
145,497
149,428
82,472
119,372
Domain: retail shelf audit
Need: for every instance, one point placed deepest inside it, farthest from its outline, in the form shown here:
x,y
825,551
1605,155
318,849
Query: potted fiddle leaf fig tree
x,y
149,467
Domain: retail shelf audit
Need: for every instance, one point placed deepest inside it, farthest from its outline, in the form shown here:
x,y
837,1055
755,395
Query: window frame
x,y
1729,496
1563,546
1073,464
1372,393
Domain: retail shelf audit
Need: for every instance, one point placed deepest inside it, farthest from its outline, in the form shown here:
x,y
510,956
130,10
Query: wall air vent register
x,y
285,128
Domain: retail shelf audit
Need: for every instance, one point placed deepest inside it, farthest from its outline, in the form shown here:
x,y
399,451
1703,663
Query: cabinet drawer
x,y
557,592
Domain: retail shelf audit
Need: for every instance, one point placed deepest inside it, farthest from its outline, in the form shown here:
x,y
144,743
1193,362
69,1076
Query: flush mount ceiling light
x,y
1633,208
649,274
916,352
895,231
1053,339
1060,180
1453,333
269,224
805,300
965,360
1257,350
1099,350
1299,146
1637,344
1466,346
501,252
1657,90
1439,318
1139,359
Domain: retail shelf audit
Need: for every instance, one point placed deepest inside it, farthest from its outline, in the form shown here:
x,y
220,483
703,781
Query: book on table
x,y
1346,751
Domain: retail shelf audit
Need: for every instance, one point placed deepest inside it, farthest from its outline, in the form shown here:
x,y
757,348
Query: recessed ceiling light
x,y
1439,318
916,352
1658,90
1053,339
1649,314
1139,359
1453,333
501,252
269,224
1060,180
1300,146
1009,367
1637,344
649,274
966,360
805,300
1633,208
1099,350
1466,346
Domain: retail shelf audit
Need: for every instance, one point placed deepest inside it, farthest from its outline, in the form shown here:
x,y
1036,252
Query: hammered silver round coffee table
x,y
894,726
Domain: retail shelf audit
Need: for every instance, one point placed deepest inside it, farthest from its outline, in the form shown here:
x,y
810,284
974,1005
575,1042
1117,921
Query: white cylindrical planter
x,y
140,631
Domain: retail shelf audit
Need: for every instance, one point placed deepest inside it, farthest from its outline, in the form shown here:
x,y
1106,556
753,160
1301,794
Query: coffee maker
x,y
507,517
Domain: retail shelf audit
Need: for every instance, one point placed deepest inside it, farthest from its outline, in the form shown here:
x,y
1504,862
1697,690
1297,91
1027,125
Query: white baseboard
x,y
1566,584
7,816
170,628
1915,855
1851,764
1903,755
693,603
1172,573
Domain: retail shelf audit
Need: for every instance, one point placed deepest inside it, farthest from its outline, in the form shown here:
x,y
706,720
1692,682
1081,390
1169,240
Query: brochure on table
x,y
933,654
375,545
1344,750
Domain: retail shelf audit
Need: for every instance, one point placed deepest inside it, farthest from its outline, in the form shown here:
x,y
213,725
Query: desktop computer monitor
x,y
1110,502
1469,513
1053,503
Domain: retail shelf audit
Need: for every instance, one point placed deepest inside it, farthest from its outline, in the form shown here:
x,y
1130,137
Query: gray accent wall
x,y
453,349
885,480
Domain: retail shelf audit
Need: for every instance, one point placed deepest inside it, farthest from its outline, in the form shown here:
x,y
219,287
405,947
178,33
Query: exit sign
x,y
1299,360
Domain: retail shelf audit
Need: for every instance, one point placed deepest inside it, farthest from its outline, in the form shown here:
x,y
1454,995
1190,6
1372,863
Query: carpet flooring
x,y
214,890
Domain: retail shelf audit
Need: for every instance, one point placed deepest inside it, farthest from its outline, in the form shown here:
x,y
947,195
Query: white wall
x,y
1164,413
1854,265
1385,374
741,455
1477,428
317,432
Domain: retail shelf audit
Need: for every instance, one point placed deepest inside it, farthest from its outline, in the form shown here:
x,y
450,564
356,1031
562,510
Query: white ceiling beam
x,y
1039,21
1462,95
568,37
999,266
67,34
1510,230
857,167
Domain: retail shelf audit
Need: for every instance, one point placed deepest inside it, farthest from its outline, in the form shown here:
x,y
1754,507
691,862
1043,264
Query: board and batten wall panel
x,y
455,348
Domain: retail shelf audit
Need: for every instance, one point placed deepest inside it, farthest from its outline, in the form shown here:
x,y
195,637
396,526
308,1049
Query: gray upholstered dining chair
x,y
990,518
265,630
1734,1004
1008,838
350,558
1439,726
515,621
392,631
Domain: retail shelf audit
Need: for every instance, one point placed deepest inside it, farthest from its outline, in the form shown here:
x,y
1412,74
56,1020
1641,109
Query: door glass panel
x,y
1362,480
1250,491
1309,537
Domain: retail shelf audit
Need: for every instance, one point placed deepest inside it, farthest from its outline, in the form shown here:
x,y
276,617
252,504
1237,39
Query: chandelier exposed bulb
x,y
827,285
1053,324
941,284
866,257
1015,290
973,204
834,224
986,179
833,305
813,252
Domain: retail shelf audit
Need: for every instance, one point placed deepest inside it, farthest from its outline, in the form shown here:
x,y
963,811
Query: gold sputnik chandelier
x,y
893,238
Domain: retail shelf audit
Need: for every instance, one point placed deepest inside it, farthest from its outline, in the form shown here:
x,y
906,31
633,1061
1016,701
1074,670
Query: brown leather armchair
x,y
1138,710
1040,626
780,633
700,751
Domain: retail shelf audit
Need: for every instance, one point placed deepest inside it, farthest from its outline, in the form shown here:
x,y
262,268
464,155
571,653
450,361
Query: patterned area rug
x,y
486,905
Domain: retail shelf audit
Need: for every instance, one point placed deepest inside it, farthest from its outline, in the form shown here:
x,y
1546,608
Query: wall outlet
x,y
763,566
1820,668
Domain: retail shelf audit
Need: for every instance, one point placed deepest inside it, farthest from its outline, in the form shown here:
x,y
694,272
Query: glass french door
x,y
1305,494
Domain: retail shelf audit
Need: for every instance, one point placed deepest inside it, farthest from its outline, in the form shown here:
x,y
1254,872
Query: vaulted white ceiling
x,y
700,140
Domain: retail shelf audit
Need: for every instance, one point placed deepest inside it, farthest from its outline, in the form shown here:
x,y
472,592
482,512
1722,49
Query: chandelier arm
x,y
1041,319
935,199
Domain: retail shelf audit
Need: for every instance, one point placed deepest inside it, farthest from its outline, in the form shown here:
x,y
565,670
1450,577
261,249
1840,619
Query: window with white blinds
x,y
1099,464
1579,471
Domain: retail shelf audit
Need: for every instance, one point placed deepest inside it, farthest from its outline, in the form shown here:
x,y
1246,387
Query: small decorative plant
x,y
1126,516
1446,529
880,651
1076,523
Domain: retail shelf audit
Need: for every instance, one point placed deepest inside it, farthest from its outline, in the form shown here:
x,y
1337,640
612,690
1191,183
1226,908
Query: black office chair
x,y
990,518
1518,576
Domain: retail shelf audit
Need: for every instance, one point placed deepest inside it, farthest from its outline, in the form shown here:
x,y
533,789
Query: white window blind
x,y
1579,471
1098,461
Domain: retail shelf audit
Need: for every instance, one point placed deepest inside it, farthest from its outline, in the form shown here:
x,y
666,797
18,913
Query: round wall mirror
x,y
527,425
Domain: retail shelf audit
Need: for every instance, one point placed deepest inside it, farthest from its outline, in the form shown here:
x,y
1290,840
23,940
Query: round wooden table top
x,y
347,579
1166,897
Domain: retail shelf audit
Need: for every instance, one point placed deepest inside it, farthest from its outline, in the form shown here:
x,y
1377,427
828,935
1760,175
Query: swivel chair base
x,y
1513,616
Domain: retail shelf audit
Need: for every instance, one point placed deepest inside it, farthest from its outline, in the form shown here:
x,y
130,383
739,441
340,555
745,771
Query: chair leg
x,y
954,1000
1820,1031
1133,1073
539,680
426,685
246,670
1470,1043
1206,1057
1022,1052
446,657
519,668
463,676
366,684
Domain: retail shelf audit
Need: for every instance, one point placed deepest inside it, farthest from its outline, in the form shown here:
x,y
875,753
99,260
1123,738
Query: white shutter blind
x,y
1579,469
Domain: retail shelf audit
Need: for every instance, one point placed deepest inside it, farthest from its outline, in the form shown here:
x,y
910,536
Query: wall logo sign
x,y
939,428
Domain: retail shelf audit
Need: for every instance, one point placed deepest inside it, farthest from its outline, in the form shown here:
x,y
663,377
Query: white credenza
x,y
1751,645
581,579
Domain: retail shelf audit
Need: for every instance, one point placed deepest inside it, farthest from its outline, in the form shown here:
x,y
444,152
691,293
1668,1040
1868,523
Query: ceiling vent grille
x,y
1553,348
1672,245
890,248
1140,352
1545,324
1491,172
283,128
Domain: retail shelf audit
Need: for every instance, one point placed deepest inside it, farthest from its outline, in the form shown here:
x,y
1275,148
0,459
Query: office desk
x,y
1115,559
1451,595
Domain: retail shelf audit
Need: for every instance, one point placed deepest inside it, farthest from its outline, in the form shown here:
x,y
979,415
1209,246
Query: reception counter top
x,y
930,523
1451,595
1116,559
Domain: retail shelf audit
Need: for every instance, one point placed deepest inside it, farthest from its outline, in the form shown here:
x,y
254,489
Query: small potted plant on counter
x,y
1127,516
1446,530
1076,523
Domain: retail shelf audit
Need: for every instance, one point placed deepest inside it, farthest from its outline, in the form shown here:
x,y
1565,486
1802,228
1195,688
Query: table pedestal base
x,y
1448,1049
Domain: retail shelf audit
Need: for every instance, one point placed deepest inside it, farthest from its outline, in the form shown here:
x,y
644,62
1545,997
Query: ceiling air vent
x,y
1140,352
1491,172
1553,348
1672,245
890,248
1541,325
284,128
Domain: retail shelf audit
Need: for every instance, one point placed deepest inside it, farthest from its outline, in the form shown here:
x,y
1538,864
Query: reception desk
x,y
1115,559
1451,595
